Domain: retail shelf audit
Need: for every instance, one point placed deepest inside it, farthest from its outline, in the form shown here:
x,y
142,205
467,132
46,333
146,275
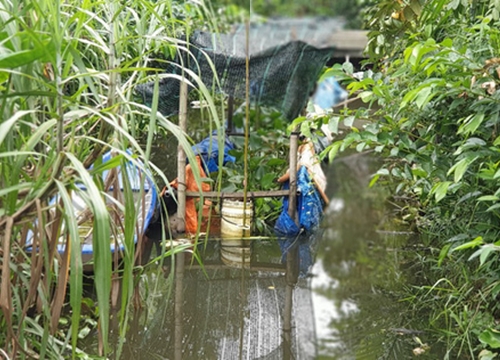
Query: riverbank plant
x,y
68,70
431,96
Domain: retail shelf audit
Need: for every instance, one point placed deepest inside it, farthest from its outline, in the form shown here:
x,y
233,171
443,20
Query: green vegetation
x,y
67,77
432,90
268,159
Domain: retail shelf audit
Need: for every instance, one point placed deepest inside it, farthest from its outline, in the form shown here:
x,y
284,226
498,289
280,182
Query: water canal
x,y
346,306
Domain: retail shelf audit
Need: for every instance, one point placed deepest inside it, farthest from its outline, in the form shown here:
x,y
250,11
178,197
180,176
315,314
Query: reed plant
x,y
67,75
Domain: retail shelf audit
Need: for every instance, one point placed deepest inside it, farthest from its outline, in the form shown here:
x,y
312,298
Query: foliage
x,y
433,94
67,76
267,154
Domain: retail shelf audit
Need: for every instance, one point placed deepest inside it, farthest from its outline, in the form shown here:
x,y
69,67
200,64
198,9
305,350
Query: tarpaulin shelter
x,y
285,59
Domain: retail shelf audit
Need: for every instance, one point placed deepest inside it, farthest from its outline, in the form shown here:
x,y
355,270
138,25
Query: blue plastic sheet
x,y
208,149
137,177
329,93
309,211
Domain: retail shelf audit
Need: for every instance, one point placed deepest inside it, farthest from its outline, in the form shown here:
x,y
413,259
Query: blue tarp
x,y
208,149
309,211
329,93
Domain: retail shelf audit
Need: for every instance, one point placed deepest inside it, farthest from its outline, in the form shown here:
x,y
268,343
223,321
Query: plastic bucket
x,y
236,220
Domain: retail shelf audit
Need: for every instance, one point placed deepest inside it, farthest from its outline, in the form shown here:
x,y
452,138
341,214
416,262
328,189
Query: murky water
x,y
361,270
348,306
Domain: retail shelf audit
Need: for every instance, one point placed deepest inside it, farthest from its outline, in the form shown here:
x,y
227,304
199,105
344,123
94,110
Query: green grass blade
x,y
101,247
76,269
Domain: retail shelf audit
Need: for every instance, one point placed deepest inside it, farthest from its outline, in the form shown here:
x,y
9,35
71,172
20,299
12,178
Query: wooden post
x,y
181,159
292,198
291,274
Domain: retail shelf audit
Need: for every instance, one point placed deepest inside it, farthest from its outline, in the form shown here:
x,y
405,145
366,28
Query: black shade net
x,y
285,60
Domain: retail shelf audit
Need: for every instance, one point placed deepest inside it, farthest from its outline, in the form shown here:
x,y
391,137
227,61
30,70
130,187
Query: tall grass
x,y
67,76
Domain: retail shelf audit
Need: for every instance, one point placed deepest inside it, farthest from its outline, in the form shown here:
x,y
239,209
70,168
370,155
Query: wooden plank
x,y
181,156
238,195
264,267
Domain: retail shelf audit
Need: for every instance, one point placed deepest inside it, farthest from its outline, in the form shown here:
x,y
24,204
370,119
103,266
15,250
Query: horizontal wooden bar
x,y
238,195
265,267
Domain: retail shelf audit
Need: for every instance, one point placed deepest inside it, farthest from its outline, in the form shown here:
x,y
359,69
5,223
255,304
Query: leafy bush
x,y
432,101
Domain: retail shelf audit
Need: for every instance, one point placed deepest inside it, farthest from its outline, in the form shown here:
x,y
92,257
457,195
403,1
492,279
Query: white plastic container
x,y
236,219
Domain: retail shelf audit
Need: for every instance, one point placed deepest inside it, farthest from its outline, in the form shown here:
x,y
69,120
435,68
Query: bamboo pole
x,y
292,197
247,120
181,158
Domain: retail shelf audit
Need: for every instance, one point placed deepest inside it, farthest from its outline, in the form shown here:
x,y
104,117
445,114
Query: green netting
x,y
285,58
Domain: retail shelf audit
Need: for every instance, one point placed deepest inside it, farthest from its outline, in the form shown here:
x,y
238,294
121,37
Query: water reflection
x,y
222,312
360,275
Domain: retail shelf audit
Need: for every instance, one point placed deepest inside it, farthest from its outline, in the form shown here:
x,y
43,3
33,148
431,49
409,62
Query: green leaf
x,y
443,253
16,187
471,244
348,121
491,338
471,124
333,150
423,97
276,162
6,125
493,207
348,67
485,252
360,146
419,172
76,268
416,7
366,96
410,95
267,180
447,43
488,198
440,190
20,58
460,168
374,180
100,243
487,355
108,165
296,122
333,124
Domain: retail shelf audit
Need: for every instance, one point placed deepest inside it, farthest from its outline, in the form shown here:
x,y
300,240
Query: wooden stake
x,y
181,158
292,198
